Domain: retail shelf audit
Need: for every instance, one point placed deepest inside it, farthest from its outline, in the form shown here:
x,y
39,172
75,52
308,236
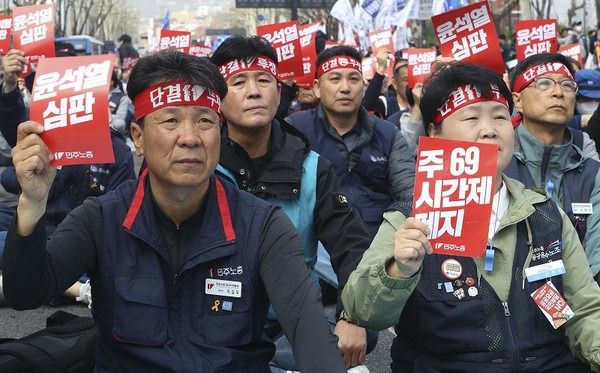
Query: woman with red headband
x,y
493,324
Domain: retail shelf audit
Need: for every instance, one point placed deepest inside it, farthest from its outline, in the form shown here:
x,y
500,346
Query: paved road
x,y
15,324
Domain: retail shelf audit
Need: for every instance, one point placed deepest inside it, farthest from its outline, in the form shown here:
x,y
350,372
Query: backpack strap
x,y
25,351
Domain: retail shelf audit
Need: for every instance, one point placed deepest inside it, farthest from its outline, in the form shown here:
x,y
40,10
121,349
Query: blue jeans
x,y
323,267
6,217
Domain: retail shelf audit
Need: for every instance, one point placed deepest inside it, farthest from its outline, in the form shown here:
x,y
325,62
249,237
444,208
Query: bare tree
x,y
122,19
542,8
505,10
597,3
574,8
74,17
314,15
248,17
62,9
100,11
27,2
81,10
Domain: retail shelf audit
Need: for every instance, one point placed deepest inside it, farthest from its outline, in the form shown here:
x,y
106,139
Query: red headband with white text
x,y
466,95
232,67
536,71
339,62
175,93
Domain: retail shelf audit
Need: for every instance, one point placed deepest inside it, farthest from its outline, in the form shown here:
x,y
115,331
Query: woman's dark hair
x,y
174,65
236,47
447,78
538,59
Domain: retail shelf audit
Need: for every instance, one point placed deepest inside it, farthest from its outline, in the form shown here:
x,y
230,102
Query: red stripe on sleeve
x,y
225,213
136,203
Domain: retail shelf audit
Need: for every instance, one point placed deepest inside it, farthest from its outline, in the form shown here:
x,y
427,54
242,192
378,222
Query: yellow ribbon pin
x,y
215,307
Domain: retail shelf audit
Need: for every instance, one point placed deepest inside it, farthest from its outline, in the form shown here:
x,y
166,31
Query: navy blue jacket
x,y
156,318
378,171
156,315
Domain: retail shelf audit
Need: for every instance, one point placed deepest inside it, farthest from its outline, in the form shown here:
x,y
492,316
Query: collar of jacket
x,y
528,148
142,222
521,201
365,120
283,172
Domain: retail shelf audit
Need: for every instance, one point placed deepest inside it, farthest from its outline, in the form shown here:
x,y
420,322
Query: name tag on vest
x,y
545,270
582,208
223,288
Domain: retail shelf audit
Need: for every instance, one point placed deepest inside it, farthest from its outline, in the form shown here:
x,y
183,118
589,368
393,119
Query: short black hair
x,y
538,59
398,61
320,41
338,50
125,38
171,65
236,47
446,79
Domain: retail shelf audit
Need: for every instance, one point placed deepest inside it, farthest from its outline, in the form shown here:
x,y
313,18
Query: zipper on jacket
x,y
544,165
511,338
179,262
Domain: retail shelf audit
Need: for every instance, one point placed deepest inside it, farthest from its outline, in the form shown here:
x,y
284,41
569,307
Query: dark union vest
x,y
152,319
438,332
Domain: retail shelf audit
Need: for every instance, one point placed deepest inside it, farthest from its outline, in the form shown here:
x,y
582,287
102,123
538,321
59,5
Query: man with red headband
x,y
549,154
273,161
371,158
477,318
183,265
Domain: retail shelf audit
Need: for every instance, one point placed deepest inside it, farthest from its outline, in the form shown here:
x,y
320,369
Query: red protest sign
x,y
535,37
552,304
330,44
454,190
5,27
200,50
573,51
381,39
285,39
69,97
305,81
308,34
419,64
468,34
171,39
33,31
129,63
369,66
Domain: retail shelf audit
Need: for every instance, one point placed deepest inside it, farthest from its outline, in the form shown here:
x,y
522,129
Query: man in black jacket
x,y
273,160
126,50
